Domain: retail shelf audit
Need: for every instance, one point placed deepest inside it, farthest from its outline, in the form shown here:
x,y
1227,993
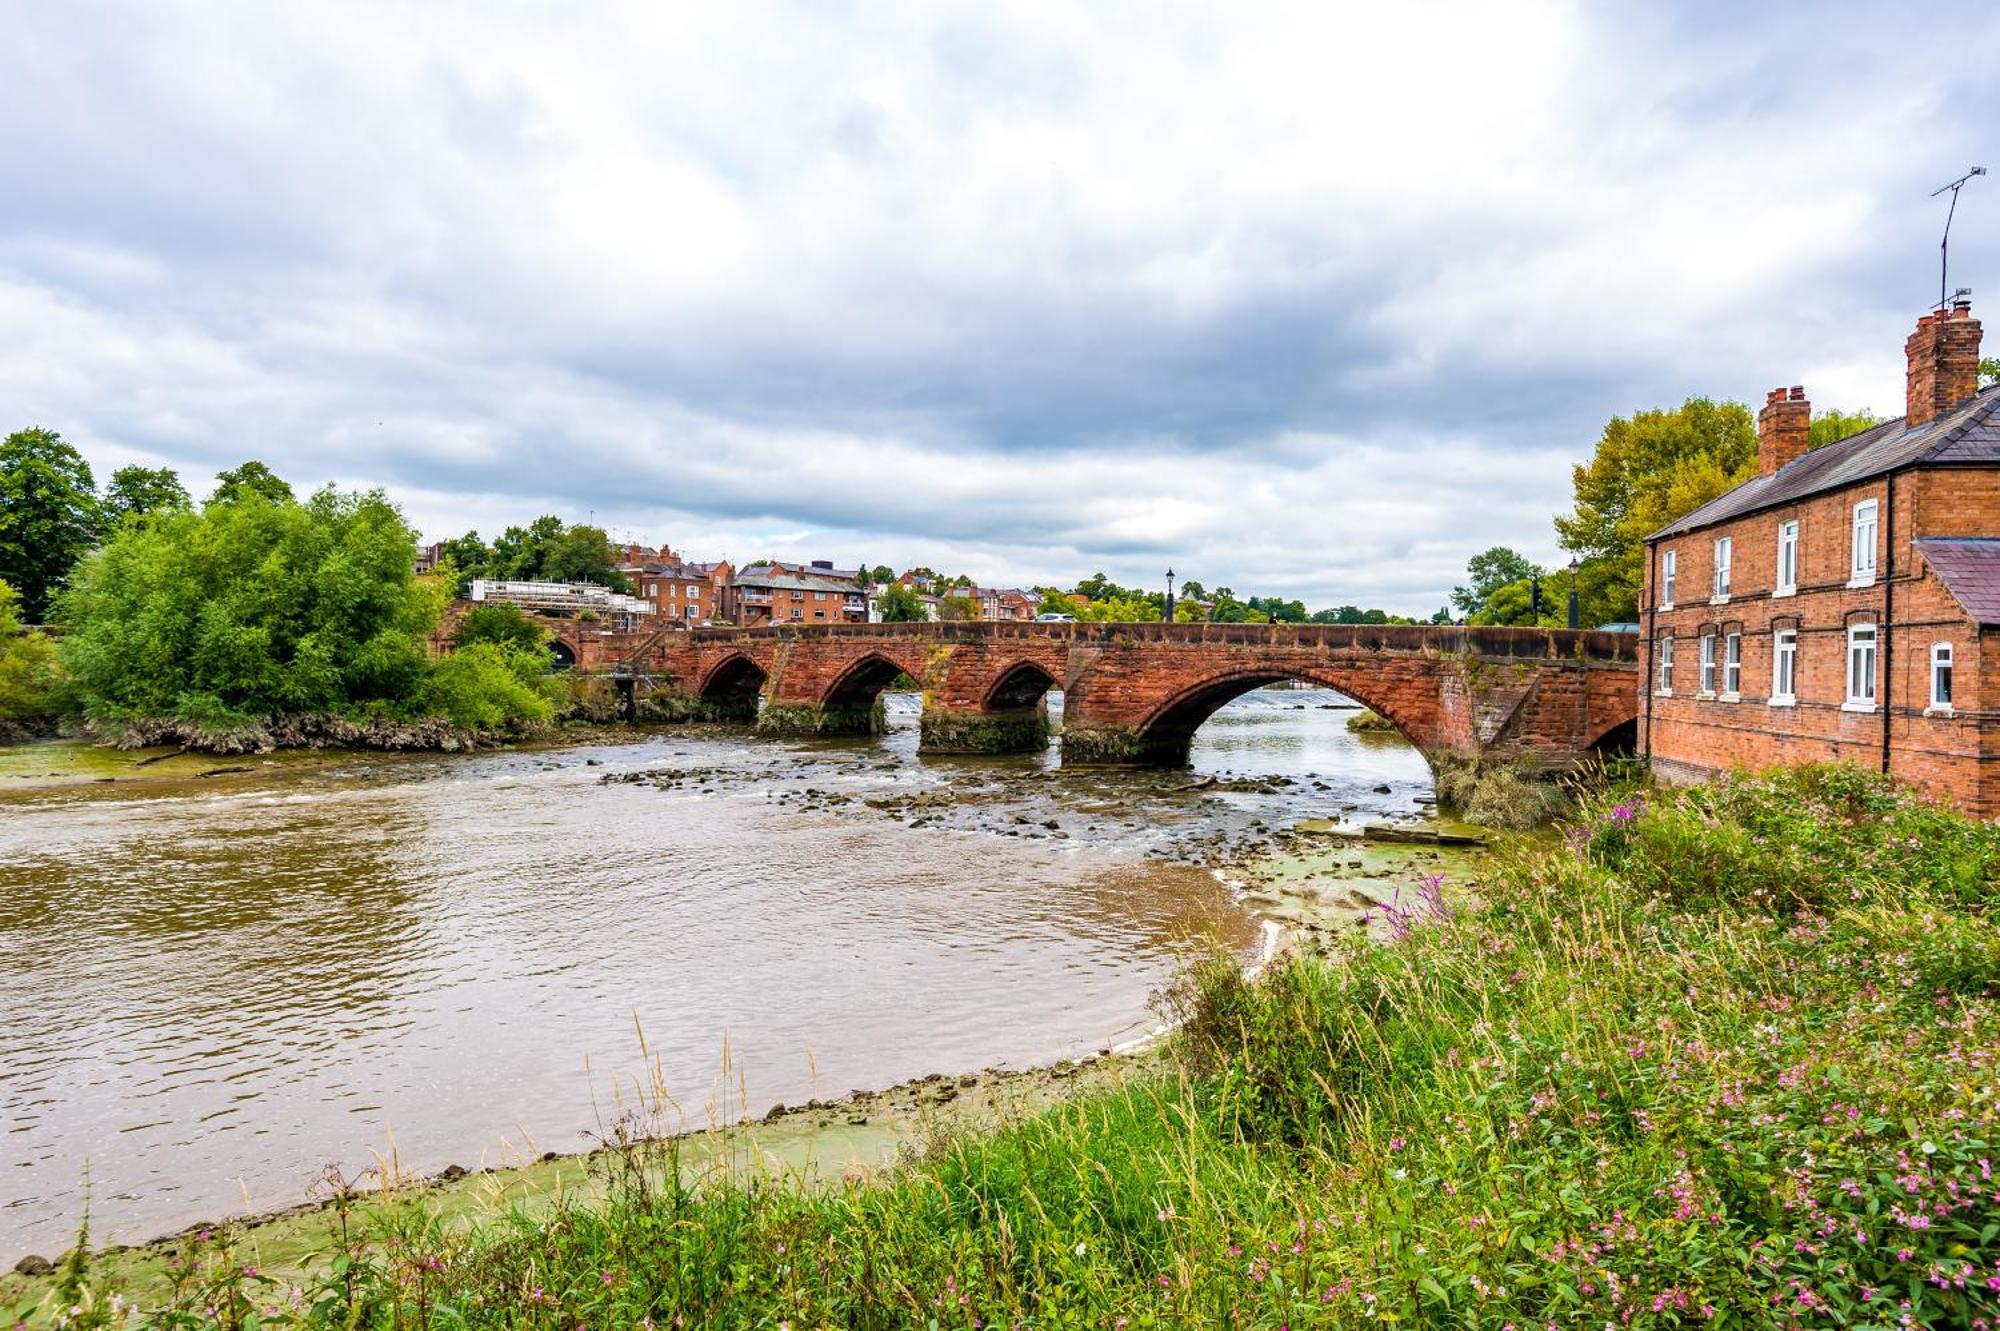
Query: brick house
x,y
1843,604
773,592
687,592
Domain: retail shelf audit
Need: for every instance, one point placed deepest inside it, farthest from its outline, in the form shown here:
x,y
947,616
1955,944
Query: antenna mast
x,y
1944,245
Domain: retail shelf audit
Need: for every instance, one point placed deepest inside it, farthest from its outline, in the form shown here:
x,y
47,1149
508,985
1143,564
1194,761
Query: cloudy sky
x,y
1310,299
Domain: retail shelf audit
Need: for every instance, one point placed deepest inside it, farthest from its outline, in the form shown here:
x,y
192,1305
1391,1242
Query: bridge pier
x,y
823,720
970,730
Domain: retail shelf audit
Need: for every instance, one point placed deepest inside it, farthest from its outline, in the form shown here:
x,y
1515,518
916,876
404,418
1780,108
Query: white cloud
x,y
1313,299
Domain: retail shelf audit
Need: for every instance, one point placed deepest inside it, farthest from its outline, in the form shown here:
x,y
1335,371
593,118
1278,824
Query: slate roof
x,y
1968,433
1969,568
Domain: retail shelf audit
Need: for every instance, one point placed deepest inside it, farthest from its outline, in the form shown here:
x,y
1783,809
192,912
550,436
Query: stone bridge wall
x,y
1137,692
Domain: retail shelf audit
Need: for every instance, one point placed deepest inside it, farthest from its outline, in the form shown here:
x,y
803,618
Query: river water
x,y
216,985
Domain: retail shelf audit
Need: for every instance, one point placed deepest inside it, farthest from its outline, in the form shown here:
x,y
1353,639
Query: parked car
x,y
1055,619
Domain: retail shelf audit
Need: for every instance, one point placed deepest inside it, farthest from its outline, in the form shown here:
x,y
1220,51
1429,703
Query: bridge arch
x,y
1165,736
862,682
1022,684
730,688
564,654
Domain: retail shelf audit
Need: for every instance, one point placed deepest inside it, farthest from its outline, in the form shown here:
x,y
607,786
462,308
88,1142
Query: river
x,y
216,985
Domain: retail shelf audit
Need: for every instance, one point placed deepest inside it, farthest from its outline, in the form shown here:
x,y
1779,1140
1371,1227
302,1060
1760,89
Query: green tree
x,y
253,477
1192,590
1647,471
506,625
582,554
1989,370
469,557
29,677
491,686
958,608
1487,572
1278,610
1833,424
250,609
879,576
48,515
1056,602
135,491
897,604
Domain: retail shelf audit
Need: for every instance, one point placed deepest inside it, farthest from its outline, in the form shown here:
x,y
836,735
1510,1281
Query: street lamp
x,y
1572,593
1170,596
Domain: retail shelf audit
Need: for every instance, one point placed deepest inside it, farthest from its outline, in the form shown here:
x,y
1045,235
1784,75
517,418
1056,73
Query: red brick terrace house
x,y
1844,603
772,592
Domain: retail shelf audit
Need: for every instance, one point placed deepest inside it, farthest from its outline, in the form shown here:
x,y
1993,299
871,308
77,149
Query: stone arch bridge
x,y
1135,693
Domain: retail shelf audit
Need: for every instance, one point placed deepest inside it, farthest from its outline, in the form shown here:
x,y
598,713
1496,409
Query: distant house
x,y
774,592
686,592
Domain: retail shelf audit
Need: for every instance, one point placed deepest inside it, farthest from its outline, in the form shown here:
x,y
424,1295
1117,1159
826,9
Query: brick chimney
x,y
1944,362
1784,429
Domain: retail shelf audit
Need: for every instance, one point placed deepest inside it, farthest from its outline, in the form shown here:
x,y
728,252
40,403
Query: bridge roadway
x,y
1134,693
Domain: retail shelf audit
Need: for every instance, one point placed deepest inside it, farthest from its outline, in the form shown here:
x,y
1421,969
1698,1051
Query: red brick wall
x,y
1690,736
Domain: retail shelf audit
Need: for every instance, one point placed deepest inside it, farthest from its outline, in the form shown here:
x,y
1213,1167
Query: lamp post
x,y
1572,593
1170,596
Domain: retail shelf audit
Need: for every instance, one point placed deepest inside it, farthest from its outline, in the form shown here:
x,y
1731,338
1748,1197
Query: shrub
x,y
506,625
488,686
30,678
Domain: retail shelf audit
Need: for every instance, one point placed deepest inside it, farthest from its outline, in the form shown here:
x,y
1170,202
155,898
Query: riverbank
x,y
1726,1055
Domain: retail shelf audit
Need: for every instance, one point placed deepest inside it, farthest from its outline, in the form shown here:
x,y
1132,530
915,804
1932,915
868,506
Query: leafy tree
x,y
1279,611
48,514
253,477
583,554
879,576
1190,611
1192,590
1121,610
898,604
469,557
1833,424
135,491
506,625
250,609
1989,370
29,677
958,608
1488,571
1057,603
1442,615
1647,471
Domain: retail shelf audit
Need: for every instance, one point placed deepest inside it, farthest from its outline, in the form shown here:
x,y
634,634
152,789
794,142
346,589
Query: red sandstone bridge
x,y
1135,693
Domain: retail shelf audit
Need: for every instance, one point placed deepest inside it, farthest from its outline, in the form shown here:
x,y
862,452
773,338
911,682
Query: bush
x,y
30,677
488,686
506,625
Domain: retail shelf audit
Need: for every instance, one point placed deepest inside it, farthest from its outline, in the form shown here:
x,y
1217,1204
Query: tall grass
x,y
1726,1056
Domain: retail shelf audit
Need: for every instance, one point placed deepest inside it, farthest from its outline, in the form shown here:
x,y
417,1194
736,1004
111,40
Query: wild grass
x,y
1725,1056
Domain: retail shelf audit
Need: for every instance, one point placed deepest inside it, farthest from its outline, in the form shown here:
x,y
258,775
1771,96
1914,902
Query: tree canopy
x,y
29,678
253,477
546,550
48,515
135,491
897,604
1487,572
251,608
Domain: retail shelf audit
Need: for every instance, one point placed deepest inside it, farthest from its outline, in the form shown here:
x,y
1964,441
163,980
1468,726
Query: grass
x,y
1726,1056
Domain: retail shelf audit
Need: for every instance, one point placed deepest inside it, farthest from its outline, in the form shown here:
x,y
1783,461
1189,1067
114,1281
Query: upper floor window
x,y
1708,663
1861,665
1666,656
1667,562
1788,559
1941,676
1784,666
1722,547
1732,664
1864,541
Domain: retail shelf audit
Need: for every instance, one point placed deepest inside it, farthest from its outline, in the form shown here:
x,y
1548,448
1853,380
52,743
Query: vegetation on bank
x,y
30,680
258,610
1724,1056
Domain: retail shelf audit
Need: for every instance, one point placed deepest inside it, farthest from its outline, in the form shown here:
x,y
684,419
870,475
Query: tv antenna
x,y
1944,245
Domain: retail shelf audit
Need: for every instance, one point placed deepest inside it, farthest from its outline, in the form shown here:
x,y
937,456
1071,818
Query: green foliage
x,y
504,625
879,576
30,678
492,686
543,551
1055,602
1833,424
252,478
136,491
1352,614
1569,1100
958,608
48,515
1489,571
1120,610
251,608
1989,370
1647,471
897,604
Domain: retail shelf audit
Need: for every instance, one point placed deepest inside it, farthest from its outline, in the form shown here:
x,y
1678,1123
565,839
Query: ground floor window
x,y
1861,665
1666,664
1941,676
1784,665
1708,663
1732,663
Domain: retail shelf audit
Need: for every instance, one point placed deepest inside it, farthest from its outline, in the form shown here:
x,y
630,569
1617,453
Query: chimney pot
x,y
1784,429
1943,356
1798,392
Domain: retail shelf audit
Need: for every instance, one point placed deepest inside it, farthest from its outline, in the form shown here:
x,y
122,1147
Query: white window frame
x,y
1942,672
1732,666
1787,581
1864,535
1664,684
1724,550
1706,679
1668,575
1784,667
1864,644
